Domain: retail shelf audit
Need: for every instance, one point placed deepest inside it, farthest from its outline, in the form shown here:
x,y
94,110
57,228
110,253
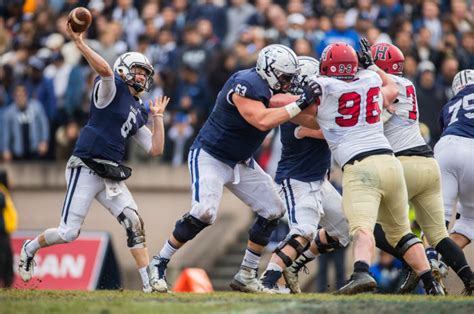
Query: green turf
x,y
36,301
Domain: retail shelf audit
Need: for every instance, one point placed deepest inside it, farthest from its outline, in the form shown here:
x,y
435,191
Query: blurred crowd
x,y
195,45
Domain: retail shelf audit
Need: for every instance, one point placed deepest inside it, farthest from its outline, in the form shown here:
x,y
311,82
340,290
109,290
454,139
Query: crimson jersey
x,y
349,115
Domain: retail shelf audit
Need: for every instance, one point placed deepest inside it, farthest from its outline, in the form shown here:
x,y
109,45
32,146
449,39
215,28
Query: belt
x,y
362,156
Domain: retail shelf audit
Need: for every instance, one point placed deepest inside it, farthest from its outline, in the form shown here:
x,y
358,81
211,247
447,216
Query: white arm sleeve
x,y
104,92
143,138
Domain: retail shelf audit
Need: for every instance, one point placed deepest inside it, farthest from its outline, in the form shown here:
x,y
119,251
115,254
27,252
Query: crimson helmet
x,y
389,58
339,60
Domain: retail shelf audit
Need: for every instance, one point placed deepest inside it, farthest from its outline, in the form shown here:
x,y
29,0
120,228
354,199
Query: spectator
x,y
25,132
126,14
260,17
205,29
194,52
364,9
390,11
278,32
410,68
461,16
66,137
302,47
209,10
8,224
387,273
296,23
431,99
326,8
59,72
339,32
237,14
40,87
193,94
465,53
430,20
449,68
180,134
425,52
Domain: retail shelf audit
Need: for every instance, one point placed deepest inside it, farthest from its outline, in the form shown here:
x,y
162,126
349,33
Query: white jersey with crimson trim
x,y
349,115
402,129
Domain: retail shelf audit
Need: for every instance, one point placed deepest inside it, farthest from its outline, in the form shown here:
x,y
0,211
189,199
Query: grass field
x,y
103,302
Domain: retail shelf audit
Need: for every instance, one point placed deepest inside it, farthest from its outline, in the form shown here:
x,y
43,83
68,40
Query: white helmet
x,y
308,67
124,64
278,65
462,79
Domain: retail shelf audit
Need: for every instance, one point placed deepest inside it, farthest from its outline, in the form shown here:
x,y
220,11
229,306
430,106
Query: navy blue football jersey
x,y
226,135
105,134
457,116
306,159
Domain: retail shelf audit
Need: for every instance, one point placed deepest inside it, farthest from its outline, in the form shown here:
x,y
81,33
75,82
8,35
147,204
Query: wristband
x,y
158,115
293,109
373,67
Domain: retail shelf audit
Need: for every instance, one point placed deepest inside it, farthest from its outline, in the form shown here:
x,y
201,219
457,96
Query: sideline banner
x,y
71,266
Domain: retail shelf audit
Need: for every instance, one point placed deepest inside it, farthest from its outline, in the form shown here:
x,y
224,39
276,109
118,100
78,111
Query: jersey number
x,y
128,125
349,108
467,103
412,114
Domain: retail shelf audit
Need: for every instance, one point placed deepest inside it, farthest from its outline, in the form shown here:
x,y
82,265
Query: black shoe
x,y
269,279
410,281
436,289
358,283
468,287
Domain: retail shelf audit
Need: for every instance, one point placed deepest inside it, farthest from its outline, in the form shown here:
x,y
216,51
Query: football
x,y
80,19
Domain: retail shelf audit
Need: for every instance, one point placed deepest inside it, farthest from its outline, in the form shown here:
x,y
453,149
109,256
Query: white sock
x,y
309,254
144,275
251,259
168,250
274,266
32,247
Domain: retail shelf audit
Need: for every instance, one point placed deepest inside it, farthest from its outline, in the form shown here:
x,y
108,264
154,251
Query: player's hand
x,y
311,91
76,37
158,106
365,56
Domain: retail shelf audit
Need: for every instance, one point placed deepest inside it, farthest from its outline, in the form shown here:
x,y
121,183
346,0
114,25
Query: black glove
x,y
311,91
365,55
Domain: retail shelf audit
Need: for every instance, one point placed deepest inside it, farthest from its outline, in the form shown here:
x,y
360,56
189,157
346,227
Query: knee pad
x,y
187,228
51,236
134,226
306,231
69,235
291,241
406,242
261,230
333,244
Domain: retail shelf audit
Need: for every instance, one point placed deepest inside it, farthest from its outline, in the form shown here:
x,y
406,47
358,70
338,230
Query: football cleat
x,y
291,273
157,272
270,278
26,265
410,281
246,281
440,271
436,290
147,289
359,282
468,287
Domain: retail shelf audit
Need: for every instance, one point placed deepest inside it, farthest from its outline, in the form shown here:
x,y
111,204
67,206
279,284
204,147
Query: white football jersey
x,y
402,129
349,115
